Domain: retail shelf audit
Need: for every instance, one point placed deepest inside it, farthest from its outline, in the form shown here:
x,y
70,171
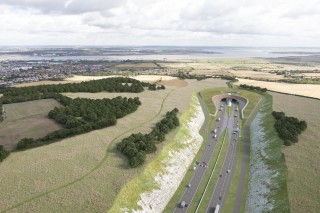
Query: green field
x,y
27,119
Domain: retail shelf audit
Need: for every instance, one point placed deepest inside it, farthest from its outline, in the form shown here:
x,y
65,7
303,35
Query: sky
x,y
161,22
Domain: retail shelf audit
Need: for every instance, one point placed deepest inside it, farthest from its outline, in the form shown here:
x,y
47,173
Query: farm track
x,y
98,165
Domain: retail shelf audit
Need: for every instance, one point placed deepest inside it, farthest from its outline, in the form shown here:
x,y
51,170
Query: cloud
x,y
64,6
183,22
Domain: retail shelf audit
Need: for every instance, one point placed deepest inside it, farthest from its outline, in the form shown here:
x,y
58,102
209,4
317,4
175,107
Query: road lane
x,y
222,185
201,169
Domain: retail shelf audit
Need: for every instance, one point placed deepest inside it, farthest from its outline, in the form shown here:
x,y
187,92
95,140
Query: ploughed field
x,y
302,158
27,119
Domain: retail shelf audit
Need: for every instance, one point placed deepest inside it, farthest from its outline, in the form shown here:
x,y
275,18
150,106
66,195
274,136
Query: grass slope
x,y
271,155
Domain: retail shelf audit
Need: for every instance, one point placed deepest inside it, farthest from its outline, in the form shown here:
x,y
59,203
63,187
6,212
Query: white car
x,y
228,171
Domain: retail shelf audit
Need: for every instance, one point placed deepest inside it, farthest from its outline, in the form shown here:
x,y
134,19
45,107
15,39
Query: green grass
x,y
275,161
215,173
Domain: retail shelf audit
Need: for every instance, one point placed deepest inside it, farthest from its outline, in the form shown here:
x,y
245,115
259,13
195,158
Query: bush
x,y
26,143
245,86
3,153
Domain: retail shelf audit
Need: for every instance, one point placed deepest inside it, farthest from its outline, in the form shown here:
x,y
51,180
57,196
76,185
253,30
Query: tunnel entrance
x,y
229,99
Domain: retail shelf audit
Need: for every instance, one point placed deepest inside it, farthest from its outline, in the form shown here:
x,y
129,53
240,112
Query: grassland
x,y
308,90
27,119
302,158
85,173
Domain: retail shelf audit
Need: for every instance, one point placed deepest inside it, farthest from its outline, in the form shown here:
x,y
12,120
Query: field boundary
x,y
94,168
303,96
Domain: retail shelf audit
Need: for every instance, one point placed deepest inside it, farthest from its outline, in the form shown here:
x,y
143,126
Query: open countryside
x,y
159,106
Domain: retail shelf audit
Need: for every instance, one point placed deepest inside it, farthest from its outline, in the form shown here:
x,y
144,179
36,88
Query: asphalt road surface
x,y
222,185
224,180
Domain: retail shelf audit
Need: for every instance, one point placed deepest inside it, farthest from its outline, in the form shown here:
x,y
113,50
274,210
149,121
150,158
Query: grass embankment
x,y
145,182
274,159
208,185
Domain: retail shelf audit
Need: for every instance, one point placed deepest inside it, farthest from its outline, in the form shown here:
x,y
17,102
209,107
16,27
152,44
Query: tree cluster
x,y
83,115
245,86
136,146
22,94
288,128
3,153
229,78
183,75
155,87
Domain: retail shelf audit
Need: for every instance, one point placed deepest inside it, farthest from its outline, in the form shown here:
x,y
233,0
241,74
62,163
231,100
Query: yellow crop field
x,y
256,75
309,90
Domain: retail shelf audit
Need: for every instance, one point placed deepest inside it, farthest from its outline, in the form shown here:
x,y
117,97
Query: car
x,y
189,185
183,204
228,171
220,175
